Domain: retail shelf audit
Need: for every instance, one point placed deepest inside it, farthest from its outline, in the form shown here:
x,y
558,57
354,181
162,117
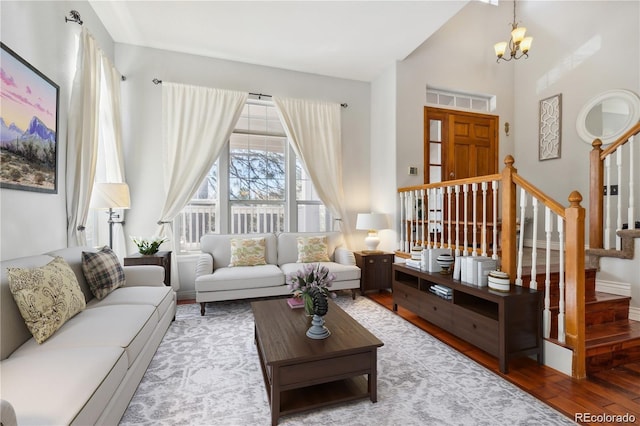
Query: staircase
x,y
612,339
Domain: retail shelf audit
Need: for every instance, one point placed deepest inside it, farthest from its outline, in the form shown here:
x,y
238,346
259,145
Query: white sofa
x,y
88,370
216,281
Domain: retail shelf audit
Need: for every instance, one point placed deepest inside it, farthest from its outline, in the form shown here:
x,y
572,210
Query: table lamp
x,y
372,222
110,196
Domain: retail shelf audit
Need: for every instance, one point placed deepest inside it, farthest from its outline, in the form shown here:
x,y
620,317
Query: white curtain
x,y
110,139
197,122
82,138
314,130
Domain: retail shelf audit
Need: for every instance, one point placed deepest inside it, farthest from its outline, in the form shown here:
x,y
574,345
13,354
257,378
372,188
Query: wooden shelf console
x,y
505,324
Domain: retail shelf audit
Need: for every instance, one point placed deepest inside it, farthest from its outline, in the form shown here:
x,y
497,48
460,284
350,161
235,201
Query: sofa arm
x,y
205,265
344,256
7,414
144,275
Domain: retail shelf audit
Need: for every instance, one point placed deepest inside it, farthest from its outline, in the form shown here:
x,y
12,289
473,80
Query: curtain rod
x,y
75,17
259,95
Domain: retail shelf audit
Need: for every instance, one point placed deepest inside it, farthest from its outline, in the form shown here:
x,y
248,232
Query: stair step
x,y
612,344
589,283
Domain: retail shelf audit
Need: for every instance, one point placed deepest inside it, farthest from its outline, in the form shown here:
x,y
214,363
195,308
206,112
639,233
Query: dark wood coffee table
x,y
301,373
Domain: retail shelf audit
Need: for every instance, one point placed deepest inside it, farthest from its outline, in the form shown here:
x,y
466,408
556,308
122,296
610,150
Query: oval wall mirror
x,y
608,115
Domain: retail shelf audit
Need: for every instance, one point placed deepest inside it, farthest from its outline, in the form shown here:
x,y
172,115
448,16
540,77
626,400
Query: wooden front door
x,y
459,144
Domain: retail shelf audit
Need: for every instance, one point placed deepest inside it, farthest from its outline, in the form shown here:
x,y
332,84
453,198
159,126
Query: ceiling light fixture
x,y
518,43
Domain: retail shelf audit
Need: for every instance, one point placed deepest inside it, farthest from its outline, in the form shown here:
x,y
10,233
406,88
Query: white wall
x,y
141,103
32,222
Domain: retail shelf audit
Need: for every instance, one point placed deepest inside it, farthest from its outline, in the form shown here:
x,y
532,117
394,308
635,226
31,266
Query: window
x,y
460,100
256,185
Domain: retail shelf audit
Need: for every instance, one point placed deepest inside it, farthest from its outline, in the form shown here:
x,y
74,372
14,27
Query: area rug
x,y
206,372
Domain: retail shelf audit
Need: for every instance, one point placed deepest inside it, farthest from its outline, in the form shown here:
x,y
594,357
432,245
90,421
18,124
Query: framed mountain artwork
x,y
28,126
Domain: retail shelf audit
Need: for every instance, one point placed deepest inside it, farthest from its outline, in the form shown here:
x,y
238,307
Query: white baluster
x,y
465,190
449,216
424,217
474,201
607,216
457,220
534,249
494,188
401,243
440,221
523,206
632,179
546,318
561,328
484,219
619,221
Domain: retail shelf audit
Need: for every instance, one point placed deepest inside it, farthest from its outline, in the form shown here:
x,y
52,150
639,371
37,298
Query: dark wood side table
x,y
375,270
161,258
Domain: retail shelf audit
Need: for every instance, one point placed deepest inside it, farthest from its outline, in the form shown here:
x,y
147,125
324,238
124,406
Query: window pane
x,y
435,174
313,218
196,219
257,167
435,153
304,187
435,130
256,218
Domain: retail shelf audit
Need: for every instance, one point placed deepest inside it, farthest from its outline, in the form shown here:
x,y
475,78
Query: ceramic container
x,y
499,281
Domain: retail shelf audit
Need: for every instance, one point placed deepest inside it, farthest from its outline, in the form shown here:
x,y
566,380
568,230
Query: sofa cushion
x,y
288,244
52,387
103,271
125,326
47,296
241,277
159,297
247,252
342,272
219,246
312,249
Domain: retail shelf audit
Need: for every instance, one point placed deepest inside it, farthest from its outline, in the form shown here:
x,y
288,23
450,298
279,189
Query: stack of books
x,y
414,263
442,291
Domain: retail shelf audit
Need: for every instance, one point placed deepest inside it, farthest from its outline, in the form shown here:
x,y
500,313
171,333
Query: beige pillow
x,y
247,252
46,296
312,249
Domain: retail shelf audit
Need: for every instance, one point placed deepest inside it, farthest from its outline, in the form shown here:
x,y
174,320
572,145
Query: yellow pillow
x,y
312,249
47,296
247,252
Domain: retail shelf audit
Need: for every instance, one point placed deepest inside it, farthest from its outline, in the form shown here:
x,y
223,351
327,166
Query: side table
x,y
161,258
375,270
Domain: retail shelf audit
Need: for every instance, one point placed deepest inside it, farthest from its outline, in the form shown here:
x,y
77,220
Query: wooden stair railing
x,y
571,222
599,224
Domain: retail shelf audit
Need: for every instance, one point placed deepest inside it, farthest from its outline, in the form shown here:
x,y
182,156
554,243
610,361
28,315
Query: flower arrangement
x,y
148,246
310,279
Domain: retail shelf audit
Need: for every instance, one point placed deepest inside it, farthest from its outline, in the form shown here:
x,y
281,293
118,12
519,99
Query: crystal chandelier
x,y
518,44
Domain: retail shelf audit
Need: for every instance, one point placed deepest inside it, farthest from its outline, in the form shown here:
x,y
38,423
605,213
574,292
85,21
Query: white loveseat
x,y
88,370
216,281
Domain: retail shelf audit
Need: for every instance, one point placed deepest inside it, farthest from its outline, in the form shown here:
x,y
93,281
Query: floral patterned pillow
x,y
247,252
312,249
46,296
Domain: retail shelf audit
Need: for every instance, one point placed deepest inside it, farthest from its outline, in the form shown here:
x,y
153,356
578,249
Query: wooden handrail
x,y
620,141
596,183
556,207
479,179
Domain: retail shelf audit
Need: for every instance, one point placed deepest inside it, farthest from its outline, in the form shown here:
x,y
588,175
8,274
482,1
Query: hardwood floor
x,y
613,392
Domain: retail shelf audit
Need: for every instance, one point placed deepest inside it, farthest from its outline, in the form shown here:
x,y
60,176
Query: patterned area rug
x,y
206,372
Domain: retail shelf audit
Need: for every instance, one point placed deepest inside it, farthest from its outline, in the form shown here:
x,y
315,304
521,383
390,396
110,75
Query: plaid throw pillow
x,y
103,272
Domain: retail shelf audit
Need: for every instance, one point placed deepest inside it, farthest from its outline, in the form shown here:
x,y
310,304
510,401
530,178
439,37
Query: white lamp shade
x,y
110,196
372,221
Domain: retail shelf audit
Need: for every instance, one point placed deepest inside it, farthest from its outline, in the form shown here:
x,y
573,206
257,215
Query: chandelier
x,y
518,44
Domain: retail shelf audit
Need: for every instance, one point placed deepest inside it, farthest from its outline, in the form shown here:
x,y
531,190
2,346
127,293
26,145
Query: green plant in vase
x,y
148,246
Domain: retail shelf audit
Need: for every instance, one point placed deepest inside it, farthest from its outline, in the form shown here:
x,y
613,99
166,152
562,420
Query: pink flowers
x,y
311,275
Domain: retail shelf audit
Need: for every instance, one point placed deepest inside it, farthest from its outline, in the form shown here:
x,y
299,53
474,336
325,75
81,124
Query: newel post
x,y
574,284
596,185
508,232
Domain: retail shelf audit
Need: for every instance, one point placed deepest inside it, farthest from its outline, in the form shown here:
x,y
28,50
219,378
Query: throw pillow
x,y
247,252
312,249
46,296
103,271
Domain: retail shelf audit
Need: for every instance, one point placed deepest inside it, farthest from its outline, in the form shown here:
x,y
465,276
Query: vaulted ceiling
x,y
347,39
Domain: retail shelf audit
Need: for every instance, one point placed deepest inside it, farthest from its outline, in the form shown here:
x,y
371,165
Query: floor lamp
x,y
110,196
